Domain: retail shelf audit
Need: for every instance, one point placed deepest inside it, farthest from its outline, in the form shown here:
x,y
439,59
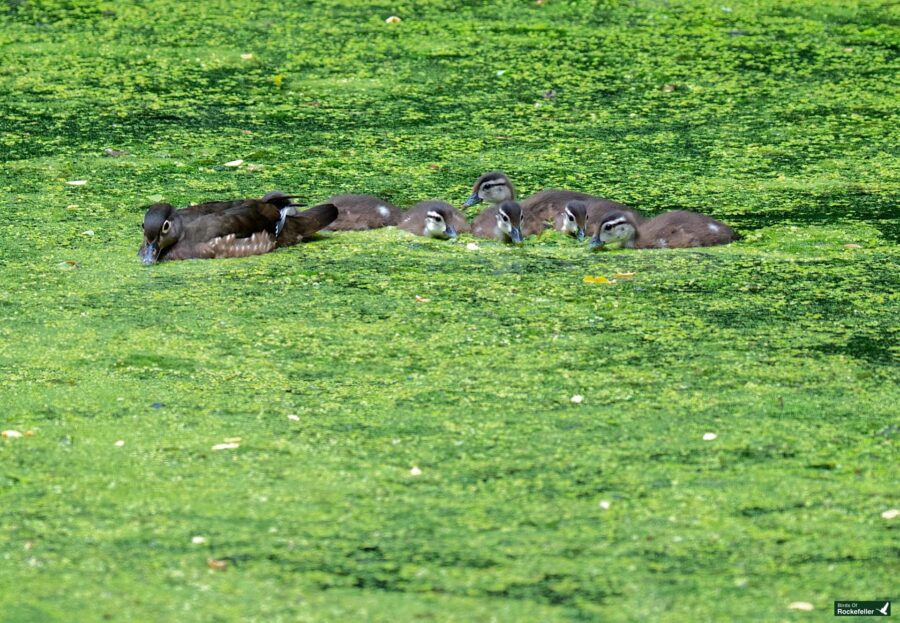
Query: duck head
x,y
162,229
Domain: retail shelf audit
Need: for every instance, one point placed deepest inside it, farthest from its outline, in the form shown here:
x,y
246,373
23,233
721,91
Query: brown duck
x,y
670,230
356,212
228,228
437,219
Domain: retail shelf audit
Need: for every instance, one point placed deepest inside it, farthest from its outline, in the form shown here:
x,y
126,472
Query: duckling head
x,y
493,187
437,224
614,228
575,220
509,220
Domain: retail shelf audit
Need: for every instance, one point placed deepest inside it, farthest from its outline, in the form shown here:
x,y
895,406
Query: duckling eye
x,y
165,227
570,217
607,227
505,218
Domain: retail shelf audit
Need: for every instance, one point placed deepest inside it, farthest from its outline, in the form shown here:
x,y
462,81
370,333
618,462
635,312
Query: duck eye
x,y
570,217
607,227
165,227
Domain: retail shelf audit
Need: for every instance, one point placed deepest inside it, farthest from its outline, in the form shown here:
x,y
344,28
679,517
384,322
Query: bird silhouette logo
x,y
885,609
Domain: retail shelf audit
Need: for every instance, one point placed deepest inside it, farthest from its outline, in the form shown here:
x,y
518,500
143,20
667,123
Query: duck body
x,y
437,219
359,212
671,230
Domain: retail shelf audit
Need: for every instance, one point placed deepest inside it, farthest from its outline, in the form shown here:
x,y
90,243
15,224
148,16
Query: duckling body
x,y
358,212
227,229
506,222
437,219
548,204
671,230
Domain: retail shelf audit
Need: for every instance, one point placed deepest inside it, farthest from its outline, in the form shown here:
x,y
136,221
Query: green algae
x,y
780,120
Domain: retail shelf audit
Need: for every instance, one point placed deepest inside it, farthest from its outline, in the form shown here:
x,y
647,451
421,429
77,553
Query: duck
x,y
670,230
237,228
506,222
437,219
359,212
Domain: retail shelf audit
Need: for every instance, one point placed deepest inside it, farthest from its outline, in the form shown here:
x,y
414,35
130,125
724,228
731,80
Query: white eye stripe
x,y
435,215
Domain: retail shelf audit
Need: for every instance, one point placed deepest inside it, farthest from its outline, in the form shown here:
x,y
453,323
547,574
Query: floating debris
x,y
891,514
11,434
226,446
577,399
393,19
198,540
415,471
233,163
709,436
805,606
77,182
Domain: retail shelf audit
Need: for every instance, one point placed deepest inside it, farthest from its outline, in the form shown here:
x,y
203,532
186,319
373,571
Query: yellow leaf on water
x,y
598,279
277,79
624,275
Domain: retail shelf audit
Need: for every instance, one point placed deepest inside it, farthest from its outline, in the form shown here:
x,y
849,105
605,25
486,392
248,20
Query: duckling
x,y
243,228
670,230
573,219
493,187
437,219
506,222
356,212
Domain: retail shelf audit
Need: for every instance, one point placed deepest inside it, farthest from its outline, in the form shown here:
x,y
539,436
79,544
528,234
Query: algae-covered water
x,y
427,431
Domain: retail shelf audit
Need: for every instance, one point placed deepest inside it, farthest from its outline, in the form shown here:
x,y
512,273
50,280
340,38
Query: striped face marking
x,y
570,225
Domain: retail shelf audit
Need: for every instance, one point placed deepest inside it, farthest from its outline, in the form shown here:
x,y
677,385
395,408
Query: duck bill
x,y
149,253
596,243
580,233
472,200
450,232
515,234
